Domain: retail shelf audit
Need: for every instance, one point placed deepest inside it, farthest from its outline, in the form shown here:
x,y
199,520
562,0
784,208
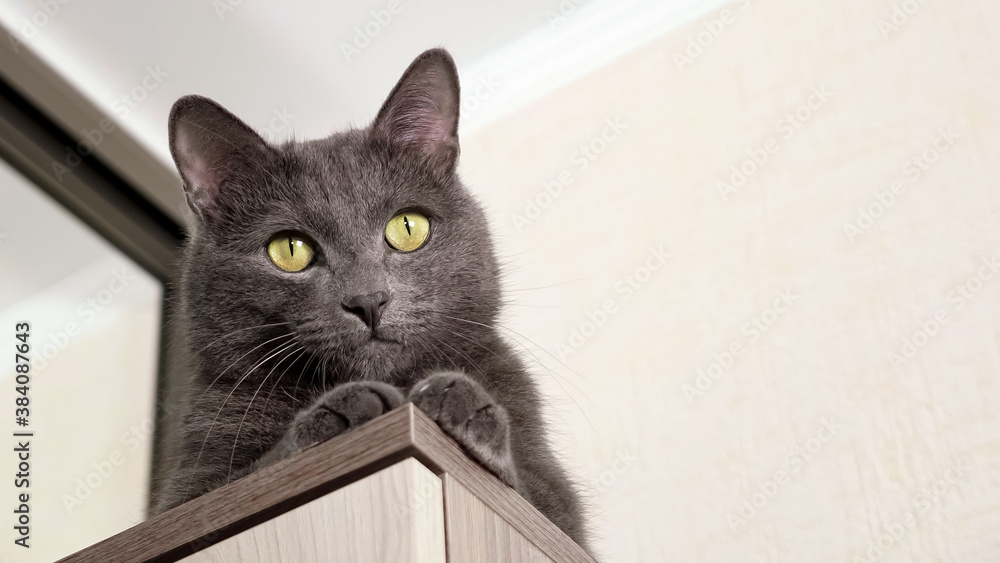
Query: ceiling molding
x,y
578,38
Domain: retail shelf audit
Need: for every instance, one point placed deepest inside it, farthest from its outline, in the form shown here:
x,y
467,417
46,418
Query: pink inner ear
x,y
199,175
196,170
423,112
420,120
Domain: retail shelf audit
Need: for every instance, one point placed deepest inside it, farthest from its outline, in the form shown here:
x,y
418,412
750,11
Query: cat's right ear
x,y
210,147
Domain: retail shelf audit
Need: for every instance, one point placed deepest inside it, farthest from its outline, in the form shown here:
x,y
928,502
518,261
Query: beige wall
x,y
857,445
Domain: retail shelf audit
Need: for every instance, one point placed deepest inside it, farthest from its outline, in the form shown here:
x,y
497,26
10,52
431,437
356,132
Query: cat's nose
x,y
367,307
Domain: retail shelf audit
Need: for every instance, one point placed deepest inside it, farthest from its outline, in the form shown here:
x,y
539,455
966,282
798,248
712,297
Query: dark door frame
x,y
59,141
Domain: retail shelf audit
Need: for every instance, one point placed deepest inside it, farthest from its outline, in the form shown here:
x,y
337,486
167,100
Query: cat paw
x,y
467,413
344,407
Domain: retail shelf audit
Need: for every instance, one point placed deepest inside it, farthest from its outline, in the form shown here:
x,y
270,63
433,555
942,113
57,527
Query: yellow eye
x,y
407,231
290,252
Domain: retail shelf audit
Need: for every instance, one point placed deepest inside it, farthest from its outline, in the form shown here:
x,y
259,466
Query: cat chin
x,y
375,360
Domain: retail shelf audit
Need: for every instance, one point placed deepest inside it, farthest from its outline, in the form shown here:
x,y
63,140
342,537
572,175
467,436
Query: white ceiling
x,y
263,59
259,56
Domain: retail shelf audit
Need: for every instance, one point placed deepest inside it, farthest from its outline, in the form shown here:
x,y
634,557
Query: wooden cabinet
x,y
395,490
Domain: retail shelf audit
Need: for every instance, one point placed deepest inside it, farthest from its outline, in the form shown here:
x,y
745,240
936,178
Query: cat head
x,y
361,252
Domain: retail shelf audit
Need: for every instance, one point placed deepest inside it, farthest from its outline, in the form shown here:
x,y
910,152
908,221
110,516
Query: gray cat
x,y
327,282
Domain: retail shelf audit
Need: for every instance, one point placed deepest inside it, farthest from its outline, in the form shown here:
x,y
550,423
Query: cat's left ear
x,y
422,110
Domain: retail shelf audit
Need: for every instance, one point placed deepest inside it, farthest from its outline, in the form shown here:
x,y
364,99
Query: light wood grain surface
x,y
393,516
436,448
477,534
402,434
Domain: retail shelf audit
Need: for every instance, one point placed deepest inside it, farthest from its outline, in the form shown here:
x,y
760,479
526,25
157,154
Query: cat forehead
x,y
349,161
353,171
341,187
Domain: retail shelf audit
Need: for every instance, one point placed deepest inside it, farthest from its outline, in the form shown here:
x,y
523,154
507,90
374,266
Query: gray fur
x,y
275,362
